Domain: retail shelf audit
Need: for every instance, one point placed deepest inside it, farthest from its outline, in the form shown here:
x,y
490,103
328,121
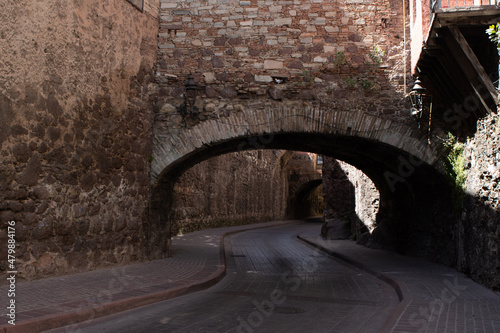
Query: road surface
x,y
274,283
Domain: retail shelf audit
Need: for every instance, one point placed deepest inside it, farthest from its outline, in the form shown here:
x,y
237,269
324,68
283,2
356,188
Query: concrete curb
x,y
49,322
399,287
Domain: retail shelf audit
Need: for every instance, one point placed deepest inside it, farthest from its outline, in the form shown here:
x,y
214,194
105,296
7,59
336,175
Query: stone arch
x,y
255,126
406,169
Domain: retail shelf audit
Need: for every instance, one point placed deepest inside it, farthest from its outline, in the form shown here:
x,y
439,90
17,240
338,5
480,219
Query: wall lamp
x,y
187,108
419,100
417,95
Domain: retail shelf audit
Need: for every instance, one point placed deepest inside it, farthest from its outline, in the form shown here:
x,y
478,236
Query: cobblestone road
x,y
274,283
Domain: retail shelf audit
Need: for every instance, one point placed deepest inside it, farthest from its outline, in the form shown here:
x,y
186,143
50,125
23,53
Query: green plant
x,y
350,82
150,159
376,55
339,59
308,77
366,84
494,33
455,170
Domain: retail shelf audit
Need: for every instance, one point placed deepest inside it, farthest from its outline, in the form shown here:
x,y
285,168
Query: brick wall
x,y
315,48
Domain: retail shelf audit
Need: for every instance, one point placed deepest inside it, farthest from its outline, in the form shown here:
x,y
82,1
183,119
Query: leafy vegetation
x,y
308,76
339,59
351,83
377,54
494,33
366,84
455,170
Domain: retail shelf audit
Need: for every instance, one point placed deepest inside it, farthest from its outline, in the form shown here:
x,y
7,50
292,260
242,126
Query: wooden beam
x,y
452,70
472,68
469,16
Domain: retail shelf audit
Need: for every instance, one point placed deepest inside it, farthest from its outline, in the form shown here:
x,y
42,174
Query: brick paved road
x,y
436,298
274,284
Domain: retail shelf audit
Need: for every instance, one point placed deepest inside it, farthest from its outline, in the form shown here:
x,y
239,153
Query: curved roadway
x,y
274,283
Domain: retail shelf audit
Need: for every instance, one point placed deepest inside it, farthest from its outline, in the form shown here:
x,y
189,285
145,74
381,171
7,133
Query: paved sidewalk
x,y
433,298
197,263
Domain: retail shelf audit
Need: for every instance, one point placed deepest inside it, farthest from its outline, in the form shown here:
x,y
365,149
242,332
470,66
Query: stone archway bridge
x,y
254,127
405,167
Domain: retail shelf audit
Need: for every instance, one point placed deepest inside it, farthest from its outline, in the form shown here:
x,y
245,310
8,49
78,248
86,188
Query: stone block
x,y
320,21
166,46
241,49
331,29
263,78
273,64
329,48
320,59
168,5
181,12
283,21
209,77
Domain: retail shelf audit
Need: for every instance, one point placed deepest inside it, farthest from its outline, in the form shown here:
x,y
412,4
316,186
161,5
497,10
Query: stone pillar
x,y
339,203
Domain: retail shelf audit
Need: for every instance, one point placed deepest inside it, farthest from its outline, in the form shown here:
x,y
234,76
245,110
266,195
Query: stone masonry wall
x,y
305,196
339,202
480,224
348,54
366,198
75,131
231,189
351,201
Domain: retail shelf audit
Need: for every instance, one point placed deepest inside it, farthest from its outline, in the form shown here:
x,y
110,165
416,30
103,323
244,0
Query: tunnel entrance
x,y
415,215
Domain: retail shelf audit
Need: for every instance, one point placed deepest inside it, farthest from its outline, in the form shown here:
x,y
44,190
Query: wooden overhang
x,y
459,64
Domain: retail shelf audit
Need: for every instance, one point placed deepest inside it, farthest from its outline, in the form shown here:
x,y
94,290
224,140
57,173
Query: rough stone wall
x,y
305,196
351,201
231,189
348,54
366,198
75,132
339,208
480,222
